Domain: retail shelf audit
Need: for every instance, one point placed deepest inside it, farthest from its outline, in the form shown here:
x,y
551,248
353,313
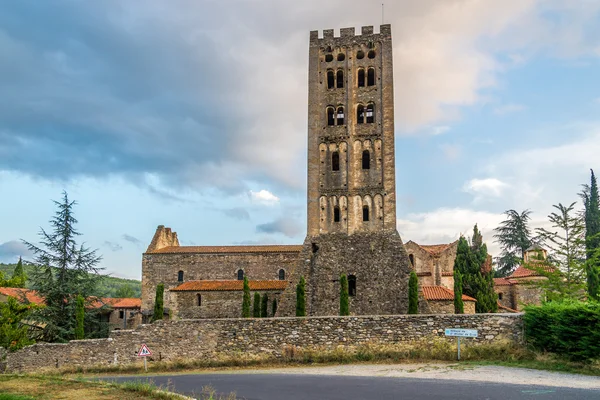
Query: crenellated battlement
x,y
328,34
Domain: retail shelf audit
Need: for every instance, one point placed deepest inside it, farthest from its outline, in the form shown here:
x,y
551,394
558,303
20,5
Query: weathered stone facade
x,y
447,307
434,264
194,339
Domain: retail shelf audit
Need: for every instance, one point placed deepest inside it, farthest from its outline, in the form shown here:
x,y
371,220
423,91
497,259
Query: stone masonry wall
x,y
216,304
194,339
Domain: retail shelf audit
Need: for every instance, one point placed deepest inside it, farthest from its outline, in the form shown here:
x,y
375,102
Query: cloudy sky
x,y
193,115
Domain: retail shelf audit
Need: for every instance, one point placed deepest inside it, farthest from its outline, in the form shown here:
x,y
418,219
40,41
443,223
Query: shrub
x,y
79,316
568,328
300,298
459,307
256,309
158,302
274,308
413,293
246,300
264,306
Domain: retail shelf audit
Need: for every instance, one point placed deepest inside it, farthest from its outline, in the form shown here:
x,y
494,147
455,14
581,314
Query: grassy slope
x,y
107,288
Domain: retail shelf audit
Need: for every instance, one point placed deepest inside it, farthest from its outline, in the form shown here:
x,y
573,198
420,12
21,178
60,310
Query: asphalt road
x,y
315,387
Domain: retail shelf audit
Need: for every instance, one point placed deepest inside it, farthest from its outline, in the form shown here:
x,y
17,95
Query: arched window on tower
x,y
351,285
366,159
340,79
370,113
361,77
412,260
360,114
330,116
371,77
336,214
365,213
340,116
282,274
335,161
198,300
330,79
180,276
240,274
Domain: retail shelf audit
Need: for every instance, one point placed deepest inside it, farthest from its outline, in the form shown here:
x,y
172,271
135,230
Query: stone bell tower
x,y
351,200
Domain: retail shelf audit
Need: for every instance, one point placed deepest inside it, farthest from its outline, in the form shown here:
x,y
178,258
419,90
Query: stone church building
x,y
351,209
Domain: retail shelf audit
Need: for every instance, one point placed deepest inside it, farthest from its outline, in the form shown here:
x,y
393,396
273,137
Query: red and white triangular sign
x,y
144,351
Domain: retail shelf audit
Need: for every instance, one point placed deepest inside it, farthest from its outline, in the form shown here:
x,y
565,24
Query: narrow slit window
x,y
330,79
361,77
366,160
371,77
240,274
340,79
180,276
336,214
330,118
360,114
335,161
370,113
282,274
365,213
412,260
499,296
351,285
198,300
340,116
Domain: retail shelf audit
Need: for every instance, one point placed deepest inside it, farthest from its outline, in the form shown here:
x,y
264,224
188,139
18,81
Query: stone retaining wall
x,y
190,339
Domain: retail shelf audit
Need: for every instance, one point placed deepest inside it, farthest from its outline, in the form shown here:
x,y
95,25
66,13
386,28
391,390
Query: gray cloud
x,y
237,213
132,239
288,227
113,246
10,251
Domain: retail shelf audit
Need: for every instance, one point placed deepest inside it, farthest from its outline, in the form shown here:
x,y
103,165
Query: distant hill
x,y
108,286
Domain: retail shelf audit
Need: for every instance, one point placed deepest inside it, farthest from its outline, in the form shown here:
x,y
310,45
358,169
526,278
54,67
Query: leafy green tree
x,y
566,244
125,291
514,237
18,277
79,315
301,298
159,307
13,332
591,202
459,307
246,299
274,307
256,309
413,293
264,306
63,270
344,307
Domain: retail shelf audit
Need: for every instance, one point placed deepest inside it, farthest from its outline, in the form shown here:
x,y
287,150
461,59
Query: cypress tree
x,y
592,237
256,308
274,307
459,307
18,277
264,306
344,308
413,293
300,298
79,314
246,300
159,309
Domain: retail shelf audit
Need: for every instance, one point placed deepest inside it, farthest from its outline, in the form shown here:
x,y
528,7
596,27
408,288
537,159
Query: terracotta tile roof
x,y
22,295
441,293
435,249
197,286
506,308
127,303
522,272
503,282
230,249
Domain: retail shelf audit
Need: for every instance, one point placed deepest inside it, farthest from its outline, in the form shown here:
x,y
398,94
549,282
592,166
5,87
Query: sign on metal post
x,y
458,333
144,352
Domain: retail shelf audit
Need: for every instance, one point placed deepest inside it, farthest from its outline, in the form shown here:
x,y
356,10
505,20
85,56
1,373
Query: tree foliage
x,y
591,202
344,299
125,291
301,298
63,271
514,237
274,307
18,277
246,299
13,330
459,307
159,305
264,306
256,308
79,316
413,293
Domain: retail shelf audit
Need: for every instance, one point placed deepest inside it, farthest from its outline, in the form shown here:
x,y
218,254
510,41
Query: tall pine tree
x,y
459,307
591,203
246,299
264,306
413,293
301,298
63,270
344,307
79,316
18,277
159,307
514,237
256,308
